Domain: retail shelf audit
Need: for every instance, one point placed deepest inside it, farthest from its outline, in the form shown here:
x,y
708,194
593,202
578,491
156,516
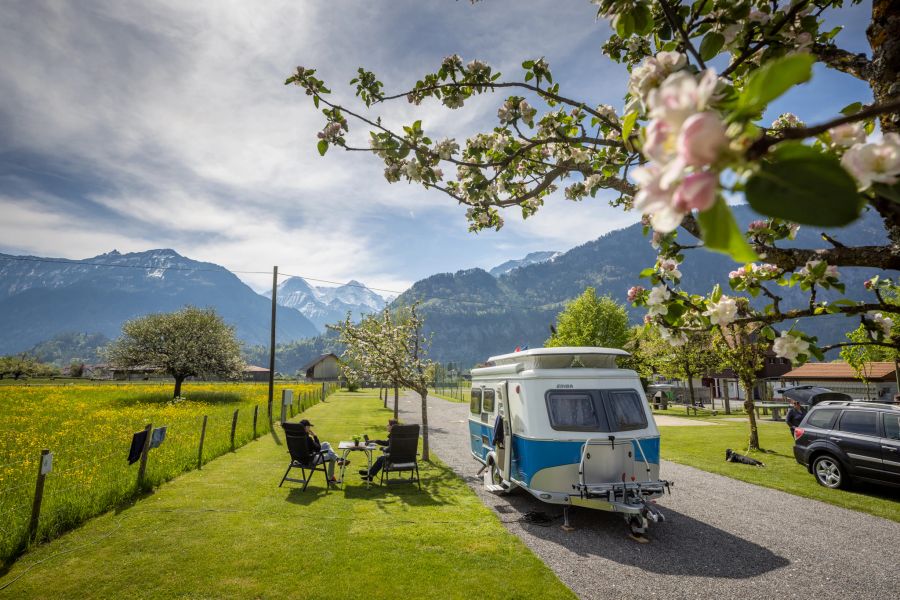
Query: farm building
x,y
254,373
322,368
840,377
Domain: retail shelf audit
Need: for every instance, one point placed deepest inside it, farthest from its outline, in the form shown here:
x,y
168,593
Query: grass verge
x,y
705,449
229,531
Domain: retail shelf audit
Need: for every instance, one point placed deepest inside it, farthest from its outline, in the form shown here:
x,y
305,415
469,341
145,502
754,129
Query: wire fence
x,y
41,499
452,390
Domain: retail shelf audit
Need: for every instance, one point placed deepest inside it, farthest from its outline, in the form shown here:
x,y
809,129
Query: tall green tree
x,y
590,320
187,343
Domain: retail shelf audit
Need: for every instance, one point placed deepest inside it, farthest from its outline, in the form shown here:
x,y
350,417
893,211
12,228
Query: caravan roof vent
x,y
565,357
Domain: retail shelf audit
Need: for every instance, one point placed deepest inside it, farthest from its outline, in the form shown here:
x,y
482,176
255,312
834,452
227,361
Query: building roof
x,y
255,369
876,371
317,360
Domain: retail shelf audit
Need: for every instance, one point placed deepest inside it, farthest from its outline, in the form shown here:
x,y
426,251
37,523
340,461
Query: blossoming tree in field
x,y
690,131
190,342
389,347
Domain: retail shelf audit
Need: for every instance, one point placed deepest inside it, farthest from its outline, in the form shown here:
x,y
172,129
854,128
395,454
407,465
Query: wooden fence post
x,y
323,391
255,415
146,450
202,437
233,427
38,495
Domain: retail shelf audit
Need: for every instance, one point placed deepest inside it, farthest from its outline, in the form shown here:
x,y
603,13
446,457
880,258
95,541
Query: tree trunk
x,y
884,79
884,72
725,397
396,401
690,380
178,381
749,406
424,394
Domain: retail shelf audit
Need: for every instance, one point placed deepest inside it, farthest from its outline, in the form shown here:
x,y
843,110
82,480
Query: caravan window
x,y
574,411
487,404
475,402
625,411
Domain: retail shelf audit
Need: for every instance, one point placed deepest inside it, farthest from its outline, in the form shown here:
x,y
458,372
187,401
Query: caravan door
x,y
503,448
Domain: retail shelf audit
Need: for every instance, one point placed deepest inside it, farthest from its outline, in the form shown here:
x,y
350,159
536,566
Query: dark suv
x,y
841,441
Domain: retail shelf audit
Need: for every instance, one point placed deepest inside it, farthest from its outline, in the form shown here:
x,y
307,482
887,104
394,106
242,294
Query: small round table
x,y
347,448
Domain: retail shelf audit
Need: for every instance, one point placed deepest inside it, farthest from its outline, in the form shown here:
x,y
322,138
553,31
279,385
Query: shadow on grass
x,y
165,397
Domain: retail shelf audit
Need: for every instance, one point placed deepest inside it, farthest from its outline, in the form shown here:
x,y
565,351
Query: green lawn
x,y
229,531
704,448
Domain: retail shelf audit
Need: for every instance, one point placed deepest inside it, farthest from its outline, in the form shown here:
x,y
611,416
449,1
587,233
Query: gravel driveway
x,y
710,546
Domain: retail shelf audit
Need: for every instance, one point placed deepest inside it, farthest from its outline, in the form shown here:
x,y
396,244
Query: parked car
x,y
839,441
810,395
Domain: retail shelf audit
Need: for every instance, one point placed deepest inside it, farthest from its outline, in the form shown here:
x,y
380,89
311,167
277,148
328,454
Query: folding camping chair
x,y
301,457
401,454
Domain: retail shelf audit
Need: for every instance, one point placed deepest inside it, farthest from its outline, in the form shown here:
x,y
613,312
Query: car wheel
x,y
829,472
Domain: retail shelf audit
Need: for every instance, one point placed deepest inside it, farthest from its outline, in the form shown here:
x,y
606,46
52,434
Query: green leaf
x,y
529,76
643,19
772,80
628,124
711,45
323,147
625,24
802,185
852,109
721,233
647,272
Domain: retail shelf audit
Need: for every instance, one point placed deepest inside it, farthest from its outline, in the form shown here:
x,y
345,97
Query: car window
x,y
626,412
822,418
574,411
861,422
475,402
892,426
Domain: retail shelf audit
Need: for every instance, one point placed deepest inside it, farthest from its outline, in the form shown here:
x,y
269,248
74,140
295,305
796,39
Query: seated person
x,y
379,462
316,446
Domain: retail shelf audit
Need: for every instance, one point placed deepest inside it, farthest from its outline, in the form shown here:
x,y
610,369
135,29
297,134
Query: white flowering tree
x,y
389,346
689,133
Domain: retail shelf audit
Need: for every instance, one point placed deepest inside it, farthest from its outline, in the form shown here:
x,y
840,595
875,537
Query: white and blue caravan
x,y
569,427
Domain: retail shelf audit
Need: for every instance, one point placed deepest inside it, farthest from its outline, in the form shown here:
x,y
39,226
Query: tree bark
x,y
178,381
750,406
396,401
424,394
884,73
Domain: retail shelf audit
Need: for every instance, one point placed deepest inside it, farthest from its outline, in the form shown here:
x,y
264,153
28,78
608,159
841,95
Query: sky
x,y
166,124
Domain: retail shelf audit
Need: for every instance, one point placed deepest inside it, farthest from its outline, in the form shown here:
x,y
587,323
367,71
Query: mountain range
x,y
323,305
530,259
41,299
469,315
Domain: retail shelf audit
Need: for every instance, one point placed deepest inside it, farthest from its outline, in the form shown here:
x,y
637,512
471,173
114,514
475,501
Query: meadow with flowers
x,y
88,428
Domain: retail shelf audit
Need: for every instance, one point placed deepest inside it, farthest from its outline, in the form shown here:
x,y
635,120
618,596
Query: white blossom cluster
x,y
722,311
790,345
873,162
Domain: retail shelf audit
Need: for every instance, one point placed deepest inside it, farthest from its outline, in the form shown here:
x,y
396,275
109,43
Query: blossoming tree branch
x,y
690,132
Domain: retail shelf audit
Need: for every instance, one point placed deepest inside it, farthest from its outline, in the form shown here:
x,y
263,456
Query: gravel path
x,y
783,546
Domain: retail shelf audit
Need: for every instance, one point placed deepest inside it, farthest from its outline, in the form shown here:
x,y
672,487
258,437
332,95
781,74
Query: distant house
x,y
726,382
254,373
323,368
104,371
840,377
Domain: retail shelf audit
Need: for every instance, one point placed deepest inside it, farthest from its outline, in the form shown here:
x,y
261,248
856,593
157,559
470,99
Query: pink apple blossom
x,y
701,139
634,292
697,191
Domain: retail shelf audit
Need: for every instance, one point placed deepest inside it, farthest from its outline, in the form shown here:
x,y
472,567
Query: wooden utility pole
x,y
272,343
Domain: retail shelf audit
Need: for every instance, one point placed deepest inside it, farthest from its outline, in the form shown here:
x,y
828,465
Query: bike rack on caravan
x,y
569,427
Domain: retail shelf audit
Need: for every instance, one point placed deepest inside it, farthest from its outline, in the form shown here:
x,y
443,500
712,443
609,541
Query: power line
x,y
220,269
